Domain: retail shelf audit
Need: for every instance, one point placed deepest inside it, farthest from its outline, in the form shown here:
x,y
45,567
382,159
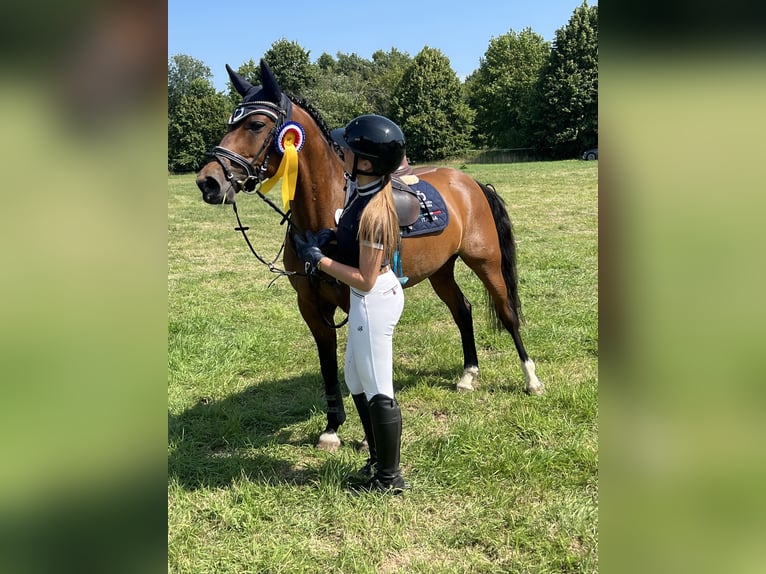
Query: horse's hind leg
x,y
498,293
443,283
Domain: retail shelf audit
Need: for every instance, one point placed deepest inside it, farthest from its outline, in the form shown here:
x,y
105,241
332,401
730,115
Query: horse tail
x,y
508,251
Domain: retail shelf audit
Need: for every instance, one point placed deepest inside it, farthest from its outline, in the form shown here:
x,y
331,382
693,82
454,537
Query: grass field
x,y
502,482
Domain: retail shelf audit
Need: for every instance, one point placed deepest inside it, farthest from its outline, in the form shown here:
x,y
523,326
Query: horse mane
x,y
312,111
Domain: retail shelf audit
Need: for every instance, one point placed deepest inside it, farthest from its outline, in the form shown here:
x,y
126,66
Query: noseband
x,y
256,172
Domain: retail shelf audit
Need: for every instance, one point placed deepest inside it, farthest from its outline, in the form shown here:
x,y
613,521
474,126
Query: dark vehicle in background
x,y
590,153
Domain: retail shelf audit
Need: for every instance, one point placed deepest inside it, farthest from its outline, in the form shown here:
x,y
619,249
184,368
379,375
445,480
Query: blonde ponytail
x,y
380,224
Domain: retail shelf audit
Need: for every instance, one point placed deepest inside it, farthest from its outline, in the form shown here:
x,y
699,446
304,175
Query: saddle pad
x,y
433,211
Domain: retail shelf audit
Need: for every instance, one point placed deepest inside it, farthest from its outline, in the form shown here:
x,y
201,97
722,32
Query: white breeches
x,y
372,317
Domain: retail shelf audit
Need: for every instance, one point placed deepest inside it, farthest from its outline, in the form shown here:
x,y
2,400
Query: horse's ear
x,y
271,88
240,84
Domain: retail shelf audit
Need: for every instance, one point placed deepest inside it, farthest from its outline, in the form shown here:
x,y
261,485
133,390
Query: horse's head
x,y
245,155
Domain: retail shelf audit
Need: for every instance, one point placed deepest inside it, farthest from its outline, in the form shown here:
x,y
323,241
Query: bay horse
x,y
479,230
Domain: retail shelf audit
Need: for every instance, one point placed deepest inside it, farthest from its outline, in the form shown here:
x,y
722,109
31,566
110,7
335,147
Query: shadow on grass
x,y
216,442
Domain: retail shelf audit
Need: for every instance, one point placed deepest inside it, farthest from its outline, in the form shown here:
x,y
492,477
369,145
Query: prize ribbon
x,y
289,142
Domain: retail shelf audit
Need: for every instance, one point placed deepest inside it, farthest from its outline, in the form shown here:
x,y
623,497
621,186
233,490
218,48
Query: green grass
x,y
502,482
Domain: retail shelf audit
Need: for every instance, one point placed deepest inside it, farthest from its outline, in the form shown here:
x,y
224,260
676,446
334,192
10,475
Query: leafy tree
x,y
196,113
353,65
352,86
428,106
566,114
291,65
502,89
524,93
338,98
387,72
326,63
182,70
353,76
196,125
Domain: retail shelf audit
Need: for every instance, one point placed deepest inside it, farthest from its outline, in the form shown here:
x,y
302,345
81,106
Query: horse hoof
x,y
534,386
328,441
536,390
470,376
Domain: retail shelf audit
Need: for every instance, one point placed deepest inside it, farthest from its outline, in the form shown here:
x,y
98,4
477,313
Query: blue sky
x,y
233,32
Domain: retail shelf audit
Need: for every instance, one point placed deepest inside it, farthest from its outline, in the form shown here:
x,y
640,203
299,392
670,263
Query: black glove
x,y
323,237
308,248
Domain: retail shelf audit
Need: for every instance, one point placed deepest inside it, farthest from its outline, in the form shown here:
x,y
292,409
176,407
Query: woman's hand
x,y
323,236
309,247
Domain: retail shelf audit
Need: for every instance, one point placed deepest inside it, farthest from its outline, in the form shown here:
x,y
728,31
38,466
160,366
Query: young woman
x,y
368,236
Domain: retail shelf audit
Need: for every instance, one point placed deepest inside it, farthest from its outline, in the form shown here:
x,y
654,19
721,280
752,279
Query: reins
x,y
270,264
314,280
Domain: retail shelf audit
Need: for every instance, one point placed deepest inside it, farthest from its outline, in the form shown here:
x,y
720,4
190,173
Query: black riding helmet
x,y
375,138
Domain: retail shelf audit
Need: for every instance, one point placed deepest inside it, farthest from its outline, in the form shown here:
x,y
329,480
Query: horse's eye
x,y
255,125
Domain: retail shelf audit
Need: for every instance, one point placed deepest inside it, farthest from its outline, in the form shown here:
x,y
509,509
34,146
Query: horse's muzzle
x,y
212,190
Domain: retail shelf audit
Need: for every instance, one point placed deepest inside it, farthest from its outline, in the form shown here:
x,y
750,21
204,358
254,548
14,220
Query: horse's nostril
x,y
208,185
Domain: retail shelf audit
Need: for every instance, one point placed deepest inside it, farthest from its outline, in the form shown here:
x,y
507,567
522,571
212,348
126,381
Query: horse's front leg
x,y
327,346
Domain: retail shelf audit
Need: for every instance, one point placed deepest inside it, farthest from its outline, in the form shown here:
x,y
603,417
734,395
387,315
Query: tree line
x,y
526,94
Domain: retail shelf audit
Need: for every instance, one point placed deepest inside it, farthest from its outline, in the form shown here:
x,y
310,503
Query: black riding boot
x,y
363,408
387,427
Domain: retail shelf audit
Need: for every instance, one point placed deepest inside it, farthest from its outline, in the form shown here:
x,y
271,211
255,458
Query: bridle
x,y
256,172
253,181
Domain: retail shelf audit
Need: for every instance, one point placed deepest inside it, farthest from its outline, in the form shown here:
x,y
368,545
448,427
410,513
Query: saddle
x,y
407,202
419,205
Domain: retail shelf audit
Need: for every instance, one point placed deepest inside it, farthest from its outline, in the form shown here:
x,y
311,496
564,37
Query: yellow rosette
x,y
289,142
